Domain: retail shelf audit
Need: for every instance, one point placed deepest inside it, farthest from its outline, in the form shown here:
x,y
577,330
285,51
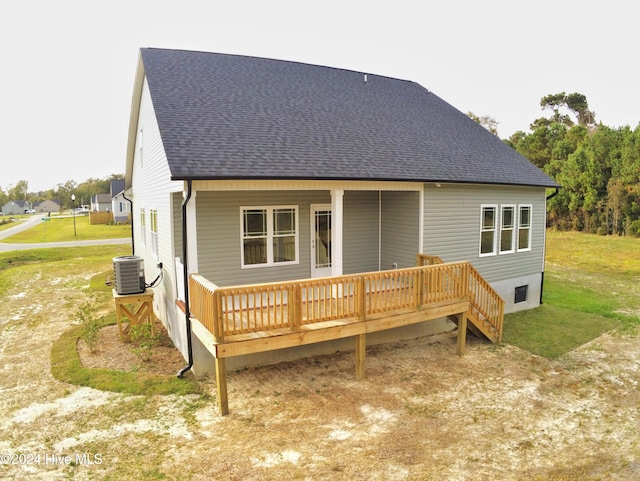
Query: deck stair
x,y
486,311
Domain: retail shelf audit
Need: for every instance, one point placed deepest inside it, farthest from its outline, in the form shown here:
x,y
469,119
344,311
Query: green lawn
x,y
590,288
61,229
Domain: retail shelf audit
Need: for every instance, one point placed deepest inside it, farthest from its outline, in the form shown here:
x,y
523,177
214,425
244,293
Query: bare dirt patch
x,y
112,353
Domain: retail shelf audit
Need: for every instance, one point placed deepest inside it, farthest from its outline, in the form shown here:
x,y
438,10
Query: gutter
x,y
549,197
185,273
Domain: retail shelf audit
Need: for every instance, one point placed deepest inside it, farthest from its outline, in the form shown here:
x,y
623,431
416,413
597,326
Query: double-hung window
x,y
507,229
488,221
524,228
153,227
269,236
143,228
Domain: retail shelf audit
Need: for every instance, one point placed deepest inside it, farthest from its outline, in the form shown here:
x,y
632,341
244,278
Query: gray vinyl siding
x,y
400,229
452,227
360,232
218,224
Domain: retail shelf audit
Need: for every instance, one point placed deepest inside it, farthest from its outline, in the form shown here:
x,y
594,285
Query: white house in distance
x,y
250,170
120,206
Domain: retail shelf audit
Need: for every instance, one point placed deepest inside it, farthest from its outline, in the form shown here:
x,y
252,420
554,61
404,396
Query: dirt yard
x,y
497,413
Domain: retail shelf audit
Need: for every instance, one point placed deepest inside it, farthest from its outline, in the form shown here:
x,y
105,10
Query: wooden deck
x,y
233,321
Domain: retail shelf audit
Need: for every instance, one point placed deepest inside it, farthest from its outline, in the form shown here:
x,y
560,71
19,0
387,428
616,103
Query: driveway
x,y
32,222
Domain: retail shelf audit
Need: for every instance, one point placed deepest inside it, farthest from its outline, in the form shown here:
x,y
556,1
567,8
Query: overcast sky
x,y
68,66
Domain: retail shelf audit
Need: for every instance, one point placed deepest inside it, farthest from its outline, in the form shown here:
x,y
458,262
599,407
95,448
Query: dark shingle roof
x,y
116,186
235,117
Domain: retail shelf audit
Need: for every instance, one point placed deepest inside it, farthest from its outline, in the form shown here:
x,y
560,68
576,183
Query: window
x,y
143,228
507,229
488,230
269,236
153,227
524,228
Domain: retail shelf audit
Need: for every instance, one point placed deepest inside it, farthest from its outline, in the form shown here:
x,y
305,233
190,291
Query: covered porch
x,y
239,320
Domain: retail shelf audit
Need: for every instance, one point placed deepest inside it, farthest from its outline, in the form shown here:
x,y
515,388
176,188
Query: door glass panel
x,y
323,238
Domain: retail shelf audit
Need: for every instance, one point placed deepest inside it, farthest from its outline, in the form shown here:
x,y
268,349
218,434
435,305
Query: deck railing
x,y
229,311
487,302
483,298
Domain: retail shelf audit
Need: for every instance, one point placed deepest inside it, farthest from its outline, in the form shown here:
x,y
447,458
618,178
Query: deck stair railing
x,y
486,313
288,306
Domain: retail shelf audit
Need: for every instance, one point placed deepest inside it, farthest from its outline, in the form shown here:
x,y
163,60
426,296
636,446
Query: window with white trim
x,y
153,227
524,228
507,229
488,215
269,236
143,228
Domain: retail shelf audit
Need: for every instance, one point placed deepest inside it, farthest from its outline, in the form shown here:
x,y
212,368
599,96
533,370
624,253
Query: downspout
x,y
133,244
549,197
185,272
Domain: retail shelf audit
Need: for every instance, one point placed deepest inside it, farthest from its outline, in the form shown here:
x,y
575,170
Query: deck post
x,y
294,305
361,347
361,296
221,385
462,333
419,287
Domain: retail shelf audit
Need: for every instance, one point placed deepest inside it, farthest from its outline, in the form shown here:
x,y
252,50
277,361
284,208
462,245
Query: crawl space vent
x,y
521,294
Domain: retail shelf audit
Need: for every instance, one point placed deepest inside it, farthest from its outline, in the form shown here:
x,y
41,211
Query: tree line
x,y
598,167
61,192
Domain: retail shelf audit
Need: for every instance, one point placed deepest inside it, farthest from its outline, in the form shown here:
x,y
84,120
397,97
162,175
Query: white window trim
x,y
153,229
514,228
270,236
530,228
143,227
495,230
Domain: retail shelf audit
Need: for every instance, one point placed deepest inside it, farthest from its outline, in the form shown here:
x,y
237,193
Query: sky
x,y
68,66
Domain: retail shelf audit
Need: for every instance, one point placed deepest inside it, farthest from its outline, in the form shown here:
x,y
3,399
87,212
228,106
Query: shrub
x,y
90,325
144,336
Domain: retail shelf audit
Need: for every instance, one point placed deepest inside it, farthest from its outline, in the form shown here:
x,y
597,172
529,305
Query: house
x,y
49,205
100,203
245,170
15,207
120,206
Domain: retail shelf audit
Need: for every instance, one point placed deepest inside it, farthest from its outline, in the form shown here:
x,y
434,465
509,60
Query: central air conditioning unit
x,y
128,275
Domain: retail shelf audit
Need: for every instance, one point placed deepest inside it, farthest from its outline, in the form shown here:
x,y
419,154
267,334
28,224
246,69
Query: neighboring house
x,y
47,206
100,203
120,206
281,170
15,207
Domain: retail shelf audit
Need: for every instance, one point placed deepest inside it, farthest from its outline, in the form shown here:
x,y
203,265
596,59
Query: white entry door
x,y
320,240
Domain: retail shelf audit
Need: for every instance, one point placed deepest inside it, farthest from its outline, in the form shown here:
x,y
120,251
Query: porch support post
x,y
361,346
192,248
221,385
462,333
337,216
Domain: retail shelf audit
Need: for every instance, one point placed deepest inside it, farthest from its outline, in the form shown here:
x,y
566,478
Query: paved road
x,y
33,221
